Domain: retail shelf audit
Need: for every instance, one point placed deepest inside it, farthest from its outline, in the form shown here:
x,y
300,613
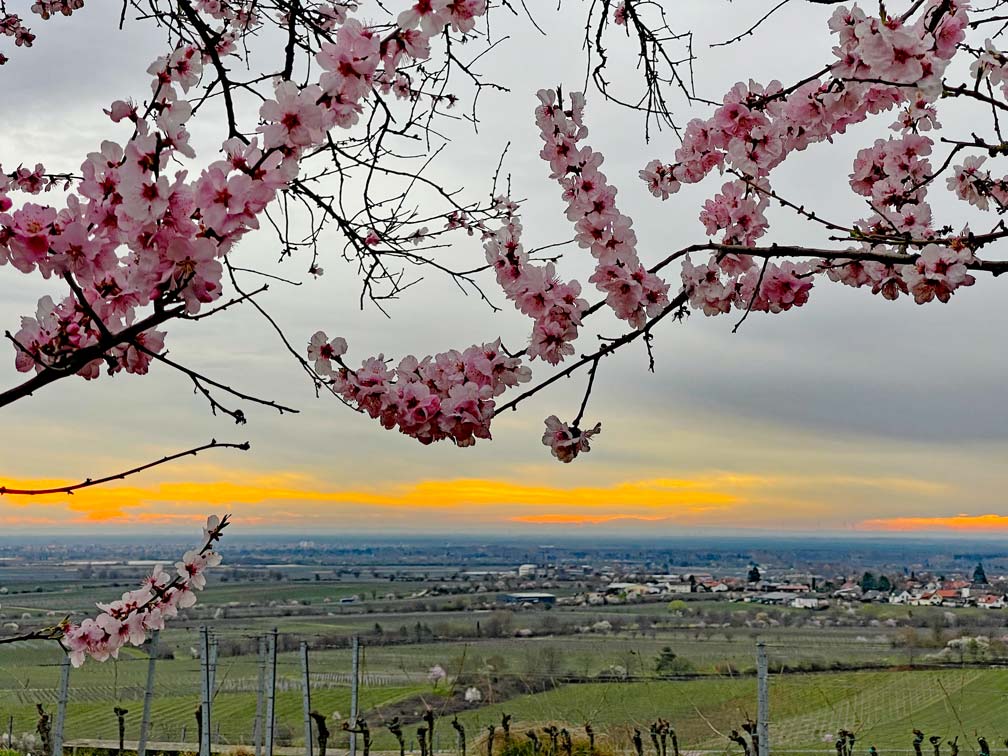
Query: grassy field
x,y
882,707
806,710
715,638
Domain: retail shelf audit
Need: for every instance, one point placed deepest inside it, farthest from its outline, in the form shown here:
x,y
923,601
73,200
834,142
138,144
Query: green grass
x,y
806,710
882,706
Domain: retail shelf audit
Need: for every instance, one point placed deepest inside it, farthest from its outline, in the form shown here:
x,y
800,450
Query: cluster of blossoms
x,y
737,210
734,280
298,117
935,274
976,186
27,181
61,329
131,236
48,8
12,26
555,306
881,63
447,396
631,290
141,611
893,173
991,65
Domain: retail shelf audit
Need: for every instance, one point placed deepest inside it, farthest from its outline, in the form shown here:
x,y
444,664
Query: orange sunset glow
x,y
707,499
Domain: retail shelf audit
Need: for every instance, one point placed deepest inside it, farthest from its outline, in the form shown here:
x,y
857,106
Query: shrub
x,y
520,745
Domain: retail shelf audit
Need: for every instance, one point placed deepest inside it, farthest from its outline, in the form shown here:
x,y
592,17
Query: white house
x,y
805,602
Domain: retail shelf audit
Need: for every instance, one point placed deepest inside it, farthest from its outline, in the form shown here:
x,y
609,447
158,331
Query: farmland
x,y
879,670
882,706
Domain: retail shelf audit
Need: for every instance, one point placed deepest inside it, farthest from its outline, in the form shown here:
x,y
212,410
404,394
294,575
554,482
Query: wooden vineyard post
x,y
257,734
121,713
271,693
205,692
61,706
354,685
148,695
306,699
763,700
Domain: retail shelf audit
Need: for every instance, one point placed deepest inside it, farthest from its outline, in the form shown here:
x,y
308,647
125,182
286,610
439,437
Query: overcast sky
x,y
850,414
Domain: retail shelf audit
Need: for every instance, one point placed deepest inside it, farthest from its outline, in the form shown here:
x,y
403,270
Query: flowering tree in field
x,y
147,233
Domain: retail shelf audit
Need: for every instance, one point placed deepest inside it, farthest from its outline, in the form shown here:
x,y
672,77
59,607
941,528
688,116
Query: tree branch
x,y
89,482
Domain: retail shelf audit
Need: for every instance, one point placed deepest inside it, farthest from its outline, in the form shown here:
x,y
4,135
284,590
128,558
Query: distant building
x,y
950,597
529,597
714,586
779,598
527,570
794,588
630,590
849,590
990,601
808,602
677,588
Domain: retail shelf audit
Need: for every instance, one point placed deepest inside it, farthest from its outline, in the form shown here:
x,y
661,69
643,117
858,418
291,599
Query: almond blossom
x,y
450,395
567,441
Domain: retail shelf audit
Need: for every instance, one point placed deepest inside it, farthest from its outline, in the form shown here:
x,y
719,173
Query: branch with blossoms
x,y
129,620
347,137
749,135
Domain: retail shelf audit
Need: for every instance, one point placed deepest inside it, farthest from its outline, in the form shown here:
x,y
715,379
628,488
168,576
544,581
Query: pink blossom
x,y
429,15
323,351
195,270
294,118
659,179
785,286
29,230
567,441
970,183
938,272
128,620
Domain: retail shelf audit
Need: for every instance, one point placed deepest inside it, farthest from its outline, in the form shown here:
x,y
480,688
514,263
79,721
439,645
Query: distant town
x,y
808,575
801,592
